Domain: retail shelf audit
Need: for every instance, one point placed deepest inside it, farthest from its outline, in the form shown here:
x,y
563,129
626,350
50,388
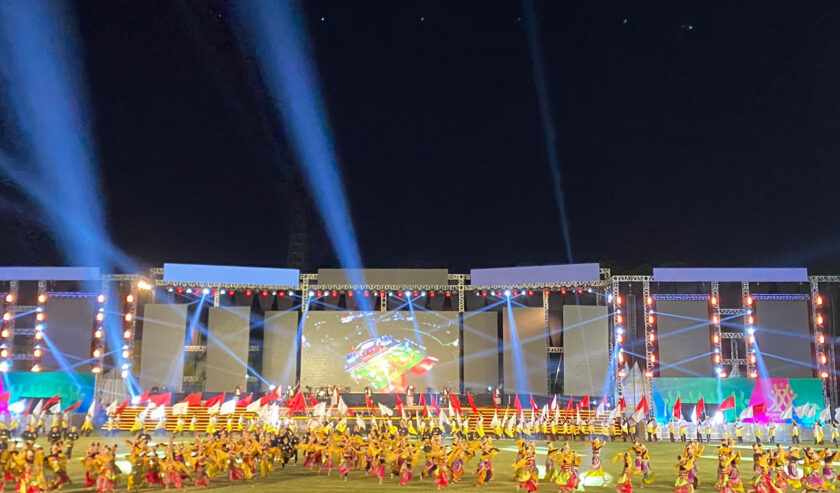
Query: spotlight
x,y
722,374
4,333
291,293
619,330
717,358
196,291
37,352
716,339
751,339
579,290
649,301
129,298
432,294
484,294
128,317
144,286
382,294
750,330
619,339
127,334
530,292
649,374
489,389
653,357
248,292
715,319
448,294
349,294
824,374
7,316
651,337
619,300
98,334
753,374
10,298
823,358
223,292
39,336
101,298
40,316
4,366
319,293
367,293
231,292
4,353
35,368
750,320
415,294
820,338
97,353
95,369
588,290
179,291
205,291
422,293
622,373
749,300
818,300
407,293
651,319
819,319
42,298
618,318
124,374
125,353
562,291
311,294
713,300
390,293
507,293
170,290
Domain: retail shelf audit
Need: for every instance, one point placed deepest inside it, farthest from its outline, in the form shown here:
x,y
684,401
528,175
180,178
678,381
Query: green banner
x,y
70,386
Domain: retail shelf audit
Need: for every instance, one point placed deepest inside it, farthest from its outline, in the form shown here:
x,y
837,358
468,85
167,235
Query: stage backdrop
x,y
70,330
777,394
227,348
481,350
162,347
783,337
279,365
685,340
585,349
525,355
381,350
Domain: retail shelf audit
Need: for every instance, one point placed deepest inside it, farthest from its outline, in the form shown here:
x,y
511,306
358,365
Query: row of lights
x,y
6,332
40,326
716,339
819,335
98,345
618,320
650,336
749,322
128,334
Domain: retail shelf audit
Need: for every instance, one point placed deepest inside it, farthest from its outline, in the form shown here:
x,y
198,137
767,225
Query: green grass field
x,y
296,479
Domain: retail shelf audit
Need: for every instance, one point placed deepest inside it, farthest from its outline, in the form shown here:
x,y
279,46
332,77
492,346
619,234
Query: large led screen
x,y
386,351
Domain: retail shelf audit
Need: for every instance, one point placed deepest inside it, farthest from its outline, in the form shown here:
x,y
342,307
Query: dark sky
x,y
706,133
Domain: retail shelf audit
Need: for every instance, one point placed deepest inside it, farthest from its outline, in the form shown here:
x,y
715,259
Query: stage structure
x,y
562,329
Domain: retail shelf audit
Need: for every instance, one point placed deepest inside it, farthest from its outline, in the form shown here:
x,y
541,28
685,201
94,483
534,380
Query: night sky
x,y
701,133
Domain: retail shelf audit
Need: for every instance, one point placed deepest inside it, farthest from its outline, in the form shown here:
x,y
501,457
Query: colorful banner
x,y
70,386
777,394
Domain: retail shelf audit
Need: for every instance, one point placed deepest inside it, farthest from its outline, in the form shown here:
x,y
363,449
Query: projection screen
x,y
280,347
783,337
585,349
386,351
481,350
685,338
525,354
70,330
227,348
162,347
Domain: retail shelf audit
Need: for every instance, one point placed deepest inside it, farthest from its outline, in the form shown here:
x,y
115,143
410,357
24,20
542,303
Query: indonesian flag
x,y
56,399
369,402
472,403
122,407
92,409
320,409
297,403
312,401
553,404
400,406
533,404
517,405
271,396
385,410
245,401
229,407
144,397
180,409
74,406
215,401
343,408
728,403
161,399
602,407
641,410
434,403
677,412
254,407
456,404
622,404
584,403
